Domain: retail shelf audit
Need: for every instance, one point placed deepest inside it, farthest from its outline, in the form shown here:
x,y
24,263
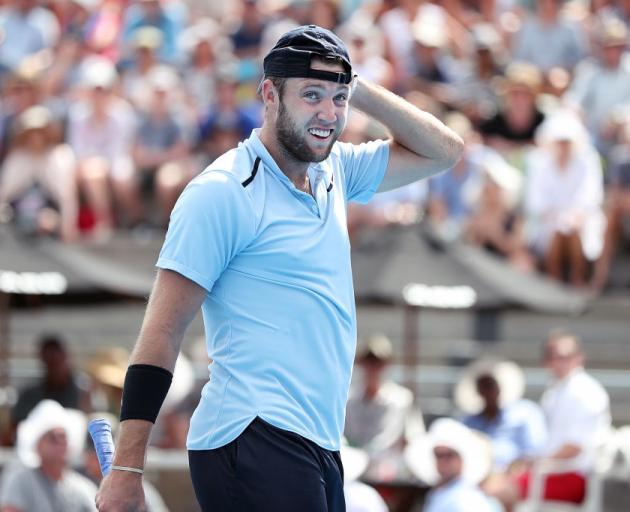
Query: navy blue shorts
x,y
268,469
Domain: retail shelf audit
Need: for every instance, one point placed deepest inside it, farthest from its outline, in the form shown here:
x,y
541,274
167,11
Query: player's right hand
x,y
121,492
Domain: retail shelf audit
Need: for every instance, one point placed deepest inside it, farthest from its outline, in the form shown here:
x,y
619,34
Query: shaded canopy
x,y
386,261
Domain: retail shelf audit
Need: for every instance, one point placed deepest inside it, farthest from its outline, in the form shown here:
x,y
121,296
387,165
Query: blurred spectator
x,y
22,90
60,382
366,45
48,440
617,207
146,42
100,131
577,409
491,393
325,13
474,93
433,67
401,206
38,178
247,35
600,88
396,24
515,124
563,200
495,224
206,49
452,195
379,411
548,40
26,28
453,460
167,17
228,121
160,151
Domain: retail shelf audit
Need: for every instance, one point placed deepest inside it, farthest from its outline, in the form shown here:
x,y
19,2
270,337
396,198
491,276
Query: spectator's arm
x,y
10,508
567,451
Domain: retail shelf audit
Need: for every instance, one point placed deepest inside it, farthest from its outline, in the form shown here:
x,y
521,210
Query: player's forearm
x,y
412,128
132,442
173,304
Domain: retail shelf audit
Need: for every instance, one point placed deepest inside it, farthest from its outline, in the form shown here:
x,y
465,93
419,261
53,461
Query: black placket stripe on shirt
x,y
253,175
331,184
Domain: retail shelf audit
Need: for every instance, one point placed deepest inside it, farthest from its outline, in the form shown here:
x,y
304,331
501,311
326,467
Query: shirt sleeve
x,y
13,491
534,433
213,220
364,166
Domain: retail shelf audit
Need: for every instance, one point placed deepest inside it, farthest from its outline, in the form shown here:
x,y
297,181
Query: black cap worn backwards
x,y
291,56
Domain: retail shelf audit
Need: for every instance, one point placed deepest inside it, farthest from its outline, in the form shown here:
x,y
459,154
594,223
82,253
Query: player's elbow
x,y
453,150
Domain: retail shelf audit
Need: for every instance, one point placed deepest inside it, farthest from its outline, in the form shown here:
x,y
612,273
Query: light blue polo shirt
x,y
279,315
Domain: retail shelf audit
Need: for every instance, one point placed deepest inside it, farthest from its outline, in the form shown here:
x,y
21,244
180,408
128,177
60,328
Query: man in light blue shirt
x,y
515,426
259,242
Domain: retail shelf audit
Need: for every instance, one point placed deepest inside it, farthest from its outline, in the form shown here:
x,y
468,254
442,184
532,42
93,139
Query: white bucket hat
x,y
46,416
473,448
508,375
562,125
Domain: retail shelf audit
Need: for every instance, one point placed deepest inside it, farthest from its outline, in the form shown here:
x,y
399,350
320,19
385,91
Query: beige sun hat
x,y
109,367
473,448
509,377
46,416
612,32
37,117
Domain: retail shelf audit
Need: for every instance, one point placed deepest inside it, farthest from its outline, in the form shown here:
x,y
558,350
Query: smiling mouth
x,y
320,134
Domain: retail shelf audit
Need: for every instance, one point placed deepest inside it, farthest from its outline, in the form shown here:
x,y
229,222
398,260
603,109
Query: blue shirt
x,y
517,432
458,496
279,315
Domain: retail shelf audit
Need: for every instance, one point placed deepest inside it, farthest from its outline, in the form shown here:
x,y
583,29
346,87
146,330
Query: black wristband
x,y
144,392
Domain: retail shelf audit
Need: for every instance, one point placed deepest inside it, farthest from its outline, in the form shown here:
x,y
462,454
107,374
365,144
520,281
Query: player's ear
x,y
268,92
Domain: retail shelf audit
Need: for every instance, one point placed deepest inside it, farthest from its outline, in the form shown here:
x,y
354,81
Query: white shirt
x,y
578,412
553,194
379,423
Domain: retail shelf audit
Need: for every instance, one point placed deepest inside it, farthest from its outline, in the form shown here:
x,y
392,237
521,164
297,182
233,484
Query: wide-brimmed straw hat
x,y
46,416
508,375
36,117
473,448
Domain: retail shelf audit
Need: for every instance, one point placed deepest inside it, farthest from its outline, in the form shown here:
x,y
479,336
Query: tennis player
x,y
259,242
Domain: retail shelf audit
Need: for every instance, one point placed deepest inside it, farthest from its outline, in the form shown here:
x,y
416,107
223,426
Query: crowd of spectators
x,y
487,452
109,107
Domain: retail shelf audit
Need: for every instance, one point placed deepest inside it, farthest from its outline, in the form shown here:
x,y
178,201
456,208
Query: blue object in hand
x,y
101,433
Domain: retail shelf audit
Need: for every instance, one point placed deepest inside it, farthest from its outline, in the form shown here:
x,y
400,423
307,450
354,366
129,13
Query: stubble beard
x,y
293,144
